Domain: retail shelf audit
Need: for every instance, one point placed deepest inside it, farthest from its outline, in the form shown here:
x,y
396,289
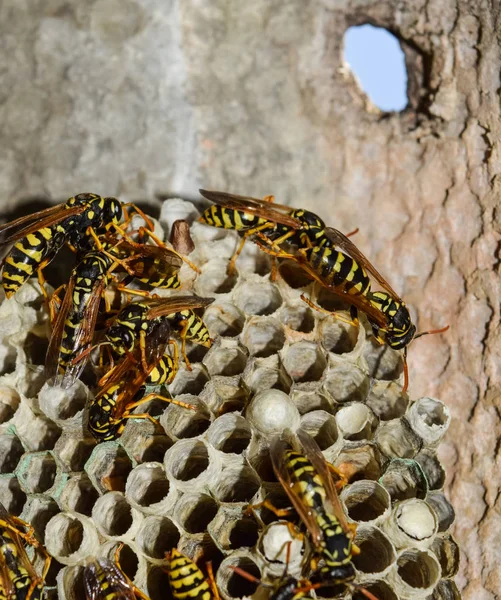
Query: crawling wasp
x,y
124,387
18,578
274,224
136,318
347,274
105,580
307,480
38,237
187,582
76,320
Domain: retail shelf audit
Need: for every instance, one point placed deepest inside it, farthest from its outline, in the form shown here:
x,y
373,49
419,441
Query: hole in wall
x,y
377,60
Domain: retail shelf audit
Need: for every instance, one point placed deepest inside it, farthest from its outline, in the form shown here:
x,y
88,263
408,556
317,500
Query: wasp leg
x,y
182,334
175,361
121,287
328,312
162,245
128,217
55,300
137,591
212,580
275,244
154,396
248,233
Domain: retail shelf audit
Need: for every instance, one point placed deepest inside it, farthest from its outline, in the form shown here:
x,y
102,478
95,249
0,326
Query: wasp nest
x,y
275,364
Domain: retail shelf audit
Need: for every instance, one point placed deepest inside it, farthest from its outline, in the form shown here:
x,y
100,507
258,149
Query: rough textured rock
x,y
158,97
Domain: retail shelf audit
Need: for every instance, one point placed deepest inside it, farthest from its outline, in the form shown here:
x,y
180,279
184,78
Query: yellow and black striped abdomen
x,y
306,482
102,422
339,270
28,254
154,274
163,373
187,581
104,580
19,578
230,218
192,327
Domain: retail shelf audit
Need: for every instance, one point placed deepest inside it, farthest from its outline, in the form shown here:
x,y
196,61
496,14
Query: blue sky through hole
x,y
375,57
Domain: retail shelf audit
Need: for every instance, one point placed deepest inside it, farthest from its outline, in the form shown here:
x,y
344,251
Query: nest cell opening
x,y
216,281
387,401
73,583
190,382
230,434
258,298
9,403
433,469
305,362
239,587
238,484
226,361
196,512
37,472
66,535
322,427
366,500
188,461
112,514
404,479
82,496
377,60
128,561
447,552
109,467
376,551
224,319
338,337
380,589
157,536
185,423
263,337
11,451
147,484
356,421
76,452
432,412
345,382
244,533
158,586
293,275
383,362
418,569
298,318
11,495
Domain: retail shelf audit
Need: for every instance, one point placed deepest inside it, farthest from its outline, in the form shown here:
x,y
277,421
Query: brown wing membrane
x,y
52,356
347,245
315,456
44,218
100,572
277,449
165,306
279,213
162,255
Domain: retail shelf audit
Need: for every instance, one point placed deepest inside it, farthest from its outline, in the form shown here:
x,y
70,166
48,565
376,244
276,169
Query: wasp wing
x,y
52,355
317,459
44,218
339,239
278,213
277,453
160,307
103,579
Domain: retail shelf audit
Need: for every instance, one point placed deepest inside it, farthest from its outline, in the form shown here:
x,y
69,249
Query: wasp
x,y
18,578
124,387
74,326
105,580
273,224
307,480
38,237
187,582
135,319
349,275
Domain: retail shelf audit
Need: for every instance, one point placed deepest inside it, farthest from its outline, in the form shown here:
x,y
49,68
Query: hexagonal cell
x,y
157,584
447,552
71,537
377,553
310,396
293,275
396,439
195,511
79,495
143,442
156,536
417,572
73,449
383,362
304,362
380,589
387,401
131,561
9,403
114,517
363,459
257,297
38,511
430,419
226,357
432,469
338,337
147,487
366,501
192,462
70,583
263,336
230,583
224,319
189,382
64,405
356,421
298,318
229,434
237,483
271,412
11,494
11,451
181,423
280,548
108,467
225,394
266,374
322,427
39,473
215,279
412,524
346,382
231,530
443,510
36,432
404,478
446,589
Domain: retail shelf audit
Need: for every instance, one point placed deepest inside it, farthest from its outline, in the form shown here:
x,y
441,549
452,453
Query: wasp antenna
x,y
247,576
364,591
406,372
432,332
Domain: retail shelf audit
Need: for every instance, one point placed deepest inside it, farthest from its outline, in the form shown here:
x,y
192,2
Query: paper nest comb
x,y
275,364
